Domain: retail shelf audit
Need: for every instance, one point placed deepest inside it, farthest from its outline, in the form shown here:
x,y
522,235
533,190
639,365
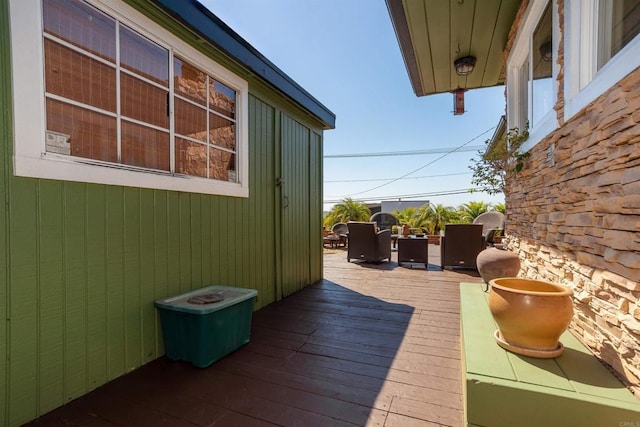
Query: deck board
x,y
370,345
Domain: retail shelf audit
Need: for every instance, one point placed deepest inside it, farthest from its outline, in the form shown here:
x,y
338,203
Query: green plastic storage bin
x,y
200,331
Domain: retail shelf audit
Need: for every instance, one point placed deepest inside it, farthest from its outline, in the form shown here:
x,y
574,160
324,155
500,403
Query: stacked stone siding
x,y
573,216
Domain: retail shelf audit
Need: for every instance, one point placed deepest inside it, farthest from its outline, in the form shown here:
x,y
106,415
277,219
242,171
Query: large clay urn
x,y
530,314
493,263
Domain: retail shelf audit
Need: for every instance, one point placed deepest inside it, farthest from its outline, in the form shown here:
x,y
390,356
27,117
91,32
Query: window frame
x,y
583,81
517,81
30,156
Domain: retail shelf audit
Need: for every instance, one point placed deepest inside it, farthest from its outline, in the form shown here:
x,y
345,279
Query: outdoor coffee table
x,y
413,249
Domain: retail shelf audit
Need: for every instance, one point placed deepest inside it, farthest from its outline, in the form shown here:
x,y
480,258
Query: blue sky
x,y
345,53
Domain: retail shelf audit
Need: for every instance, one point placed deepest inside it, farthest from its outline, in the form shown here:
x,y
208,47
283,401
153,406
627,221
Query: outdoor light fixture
x,y
546,51
464,65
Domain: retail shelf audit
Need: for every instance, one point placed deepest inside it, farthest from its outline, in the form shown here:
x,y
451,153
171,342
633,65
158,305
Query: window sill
x,y
57,167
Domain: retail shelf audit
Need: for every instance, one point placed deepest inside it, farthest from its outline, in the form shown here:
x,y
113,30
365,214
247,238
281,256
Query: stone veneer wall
x,y
573,216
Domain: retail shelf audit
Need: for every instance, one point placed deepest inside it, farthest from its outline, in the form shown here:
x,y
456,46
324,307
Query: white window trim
x,y
30,158
517,88
583,82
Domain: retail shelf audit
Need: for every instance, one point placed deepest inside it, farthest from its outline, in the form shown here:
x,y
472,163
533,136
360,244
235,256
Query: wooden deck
x,y
374,345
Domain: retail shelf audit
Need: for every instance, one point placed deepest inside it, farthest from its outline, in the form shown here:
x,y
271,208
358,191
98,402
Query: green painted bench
x,y
505,389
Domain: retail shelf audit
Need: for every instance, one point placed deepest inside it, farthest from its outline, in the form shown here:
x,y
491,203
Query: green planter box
x,y
199,329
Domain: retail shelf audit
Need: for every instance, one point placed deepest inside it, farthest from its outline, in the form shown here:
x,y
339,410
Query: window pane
x,y
222,165
144,102
90,135
189,82
222,132
144,57
82,25
78,77
620,24
190,120
222,99
145,147
191,158
541,86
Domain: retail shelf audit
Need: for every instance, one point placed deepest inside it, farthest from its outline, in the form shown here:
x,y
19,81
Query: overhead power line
x,y
406,153
424,166
408,196
387,179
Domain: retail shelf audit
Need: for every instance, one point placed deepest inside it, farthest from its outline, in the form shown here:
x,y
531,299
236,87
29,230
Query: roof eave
x,y
431,70
399,21
198,18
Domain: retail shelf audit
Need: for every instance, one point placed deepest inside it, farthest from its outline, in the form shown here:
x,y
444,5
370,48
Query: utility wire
x,y
387,179
408,196
405,153
424,166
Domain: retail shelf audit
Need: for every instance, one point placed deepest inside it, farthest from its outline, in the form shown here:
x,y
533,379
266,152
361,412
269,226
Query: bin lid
x,y
206,300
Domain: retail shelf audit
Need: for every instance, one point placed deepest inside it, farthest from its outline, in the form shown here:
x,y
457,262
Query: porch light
x,y
464,65
546,51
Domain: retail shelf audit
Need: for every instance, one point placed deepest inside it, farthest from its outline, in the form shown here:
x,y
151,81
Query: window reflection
x,y
75,76
222,132
191,120
620,25
144,57
85,133
222,99
144,147
222,165
191,158
189,82
85,107
213,124
540,80
143,101
81,25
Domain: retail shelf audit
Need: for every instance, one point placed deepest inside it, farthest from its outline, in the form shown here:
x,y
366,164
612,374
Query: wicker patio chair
x,y
492,222
460,245
366,244
341,230
384,220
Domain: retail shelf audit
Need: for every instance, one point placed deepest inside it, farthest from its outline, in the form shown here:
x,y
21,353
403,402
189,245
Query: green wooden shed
x,y
146,150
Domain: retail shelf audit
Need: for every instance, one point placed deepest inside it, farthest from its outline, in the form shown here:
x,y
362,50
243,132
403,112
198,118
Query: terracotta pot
x,y
406,230
531,315
493,263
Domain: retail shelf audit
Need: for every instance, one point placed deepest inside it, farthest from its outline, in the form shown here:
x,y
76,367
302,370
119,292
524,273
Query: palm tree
x,y
442,215
469,211
500,207
425,218
406,216
433,217
348,210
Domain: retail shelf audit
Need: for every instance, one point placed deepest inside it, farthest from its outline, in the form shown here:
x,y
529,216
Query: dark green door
x,y
295,204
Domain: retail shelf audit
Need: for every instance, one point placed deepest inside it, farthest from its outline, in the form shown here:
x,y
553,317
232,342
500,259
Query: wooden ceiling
x,y
434,33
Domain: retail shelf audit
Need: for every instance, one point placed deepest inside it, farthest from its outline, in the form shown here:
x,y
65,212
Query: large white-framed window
x,y
532,85
602,46
103,94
